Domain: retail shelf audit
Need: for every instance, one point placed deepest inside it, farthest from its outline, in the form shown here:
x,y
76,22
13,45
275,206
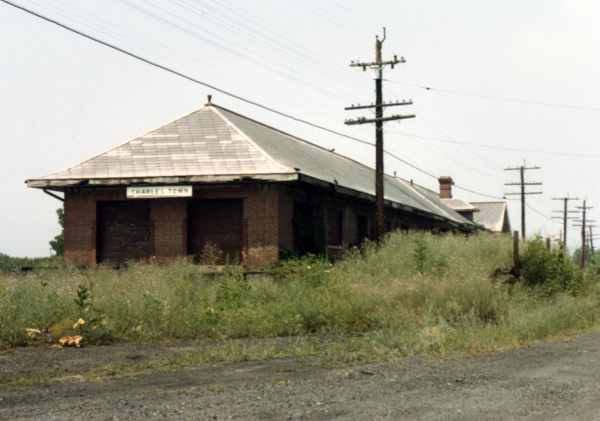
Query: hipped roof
x,y
213,144
493,216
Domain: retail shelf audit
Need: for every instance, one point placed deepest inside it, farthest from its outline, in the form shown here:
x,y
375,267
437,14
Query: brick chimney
x,y
445,187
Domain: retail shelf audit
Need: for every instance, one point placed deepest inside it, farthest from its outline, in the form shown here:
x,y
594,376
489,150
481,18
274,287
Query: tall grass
x,y
414,292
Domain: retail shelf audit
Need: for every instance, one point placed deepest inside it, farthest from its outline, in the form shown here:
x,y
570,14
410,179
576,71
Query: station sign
x,y
152,192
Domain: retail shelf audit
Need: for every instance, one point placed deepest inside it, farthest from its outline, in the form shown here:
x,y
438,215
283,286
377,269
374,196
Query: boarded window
x,y
334,227
123,231
215,230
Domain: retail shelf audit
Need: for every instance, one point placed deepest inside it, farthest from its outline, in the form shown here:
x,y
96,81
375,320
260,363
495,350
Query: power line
x,y
181,74
502,147
540,214
481,194
408,163
223,91
548,104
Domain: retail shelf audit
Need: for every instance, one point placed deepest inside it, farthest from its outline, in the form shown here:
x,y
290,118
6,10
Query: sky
x,y
511,83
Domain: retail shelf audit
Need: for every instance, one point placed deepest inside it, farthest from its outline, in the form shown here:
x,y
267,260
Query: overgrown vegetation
x,y
22,264
549,270
415,292
58,243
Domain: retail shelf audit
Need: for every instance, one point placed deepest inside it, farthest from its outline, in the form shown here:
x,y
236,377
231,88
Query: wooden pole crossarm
x,y
389,104
383,63
525,168
523,184
375,120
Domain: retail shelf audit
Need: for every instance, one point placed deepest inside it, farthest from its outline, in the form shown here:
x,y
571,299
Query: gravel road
x,y
545,382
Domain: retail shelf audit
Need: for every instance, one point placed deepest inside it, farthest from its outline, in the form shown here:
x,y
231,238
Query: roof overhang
x,y
442,221
62,184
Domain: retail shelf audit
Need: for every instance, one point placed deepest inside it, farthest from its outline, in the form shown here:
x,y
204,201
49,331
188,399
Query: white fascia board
x,y
162,180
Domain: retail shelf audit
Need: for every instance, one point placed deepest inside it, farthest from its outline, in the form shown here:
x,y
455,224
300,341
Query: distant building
x,y
493,216
217,179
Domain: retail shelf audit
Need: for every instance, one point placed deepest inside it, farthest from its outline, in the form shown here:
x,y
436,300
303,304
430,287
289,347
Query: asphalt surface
x,y
545,382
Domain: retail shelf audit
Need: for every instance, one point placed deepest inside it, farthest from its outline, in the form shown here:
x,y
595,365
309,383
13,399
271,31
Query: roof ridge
x,y
423,196
249,140
298,138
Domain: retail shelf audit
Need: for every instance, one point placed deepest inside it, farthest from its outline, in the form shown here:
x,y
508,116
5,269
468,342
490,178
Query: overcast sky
x,y
511,82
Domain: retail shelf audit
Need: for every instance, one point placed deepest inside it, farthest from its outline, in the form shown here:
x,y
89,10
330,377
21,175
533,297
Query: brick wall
x,y
268,213
80,214
80,223
168,216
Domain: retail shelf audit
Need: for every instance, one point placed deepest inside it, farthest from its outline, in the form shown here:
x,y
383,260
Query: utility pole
x,y
564,217
583,221
377,69
521,170
592,240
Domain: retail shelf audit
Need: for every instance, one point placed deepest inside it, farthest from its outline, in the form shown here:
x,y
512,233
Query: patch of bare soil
x,y
545,382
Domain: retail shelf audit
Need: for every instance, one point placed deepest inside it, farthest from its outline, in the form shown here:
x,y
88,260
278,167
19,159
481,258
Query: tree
x,y
588,257
58,244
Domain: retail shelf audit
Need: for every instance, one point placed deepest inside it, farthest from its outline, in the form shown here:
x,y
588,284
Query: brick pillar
x,y
261,207
80,217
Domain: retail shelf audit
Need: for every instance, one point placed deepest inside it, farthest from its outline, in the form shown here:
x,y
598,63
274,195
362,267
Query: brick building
x,y
216,177
492,216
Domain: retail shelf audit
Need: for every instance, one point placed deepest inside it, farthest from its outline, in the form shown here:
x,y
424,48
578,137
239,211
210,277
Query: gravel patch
x,y
544,382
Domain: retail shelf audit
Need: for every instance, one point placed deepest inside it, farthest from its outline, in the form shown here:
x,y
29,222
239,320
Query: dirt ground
x,y
545,382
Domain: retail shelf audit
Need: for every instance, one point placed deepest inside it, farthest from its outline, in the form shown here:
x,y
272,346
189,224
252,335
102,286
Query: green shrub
x,y
309,268
549,270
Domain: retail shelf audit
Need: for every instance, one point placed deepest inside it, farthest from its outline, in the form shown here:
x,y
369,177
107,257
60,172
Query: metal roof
x,y
460,205
215,144
492,216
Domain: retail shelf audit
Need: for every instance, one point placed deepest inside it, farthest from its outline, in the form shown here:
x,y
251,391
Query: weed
x,y
211,254
420,253
412,292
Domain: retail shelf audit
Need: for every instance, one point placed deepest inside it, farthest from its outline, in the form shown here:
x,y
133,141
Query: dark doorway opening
x,y
216,230
309,229
362,228
123,231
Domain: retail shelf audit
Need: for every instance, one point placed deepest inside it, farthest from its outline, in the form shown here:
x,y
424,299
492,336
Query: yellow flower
x,y
79,322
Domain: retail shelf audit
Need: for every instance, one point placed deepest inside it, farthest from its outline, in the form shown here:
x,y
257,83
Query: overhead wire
x,y
290,73
129,37
292,50
501,147
548,104
464,144
419,72
147,61
541,214
481,194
